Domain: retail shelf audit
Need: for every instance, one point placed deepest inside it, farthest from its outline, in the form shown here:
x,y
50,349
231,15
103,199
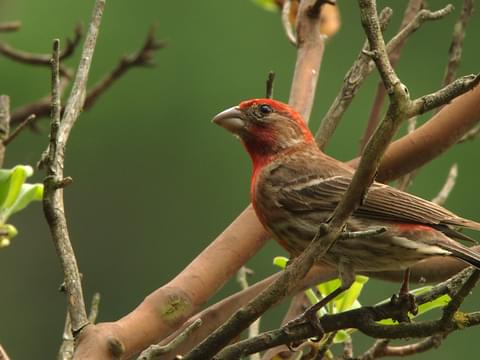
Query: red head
x,y
266,127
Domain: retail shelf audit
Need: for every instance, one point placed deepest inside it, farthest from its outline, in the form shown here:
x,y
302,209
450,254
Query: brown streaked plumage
x,y
295,188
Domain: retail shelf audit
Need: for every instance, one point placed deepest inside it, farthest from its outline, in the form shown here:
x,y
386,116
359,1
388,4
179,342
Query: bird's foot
x,y
406,304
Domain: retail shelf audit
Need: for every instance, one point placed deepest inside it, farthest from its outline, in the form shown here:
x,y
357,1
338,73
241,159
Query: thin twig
x,y
254,328
3,354
269,85
365,319
470,135
455,50
360,234
54,161
412,9
363,66
448,186
43,59
94,308
19,129
155,351
10,26
141,58
287,26
384,350
4,125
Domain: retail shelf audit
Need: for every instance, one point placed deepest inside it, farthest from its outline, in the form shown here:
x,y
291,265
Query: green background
x,y
154,180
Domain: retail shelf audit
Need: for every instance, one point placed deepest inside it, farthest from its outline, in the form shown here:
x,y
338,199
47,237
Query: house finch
x,y
295,187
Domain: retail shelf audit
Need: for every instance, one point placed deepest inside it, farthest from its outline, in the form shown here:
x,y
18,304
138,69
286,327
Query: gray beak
x,y
231,119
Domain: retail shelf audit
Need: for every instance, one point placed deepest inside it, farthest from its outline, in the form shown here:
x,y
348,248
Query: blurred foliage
x,y
15,195
154,181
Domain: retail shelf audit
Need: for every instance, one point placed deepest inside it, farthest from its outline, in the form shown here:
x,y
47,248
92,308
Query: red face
x,y
265,126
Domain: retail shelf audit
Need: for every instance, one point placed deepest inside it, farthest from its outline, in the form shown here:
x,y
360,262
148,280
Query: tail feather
x,y
463,253
465,223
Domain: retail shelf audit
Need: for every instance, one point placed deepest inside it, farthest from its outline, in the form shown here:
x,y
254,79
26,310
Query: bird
x,y
295,188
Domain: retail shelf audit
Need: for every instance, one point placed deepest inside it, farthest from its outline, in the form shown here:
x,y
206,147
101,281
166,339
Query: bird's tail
x,y
464,253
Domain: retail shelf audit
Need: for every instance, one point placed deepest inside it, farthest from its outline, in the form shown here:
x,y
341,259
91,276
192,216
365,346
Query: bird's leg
x,y
347,277
404,299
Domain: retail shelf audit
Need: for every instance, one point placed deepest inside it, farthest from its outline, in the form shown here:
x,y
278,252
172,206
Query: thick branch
x,y
311,45
431,139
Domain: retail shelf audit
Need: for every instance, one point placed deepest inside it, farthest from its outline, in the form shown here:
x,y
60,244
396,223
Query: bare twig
x,y
254,328
447,187
94,308
455,51
412,9
155,351
269,85
43,59
363,66
54,161
19,129
287,26
10,26
470,135
141,58
3,354
365,319
381,348
4,124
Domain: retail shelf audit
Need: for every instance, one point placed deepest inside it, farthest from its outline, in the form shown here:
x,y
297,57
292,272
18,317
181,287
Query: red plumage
x,y
295,187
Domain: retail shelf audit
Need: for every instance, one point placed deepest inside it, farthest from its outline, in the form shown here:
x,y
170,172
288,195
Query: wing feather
x,y
382,202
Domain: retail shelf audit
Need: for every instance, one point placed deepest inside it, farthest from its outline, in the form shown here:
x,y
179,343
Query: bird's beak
x,y
231,119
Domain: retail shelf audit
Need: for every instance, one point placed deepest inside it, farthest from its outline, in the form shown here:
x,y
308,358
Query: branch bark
x,y
54,162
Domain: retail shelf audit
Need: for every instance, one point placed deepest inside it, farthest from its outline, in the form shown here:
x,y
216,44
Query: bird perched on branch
x,y
295,187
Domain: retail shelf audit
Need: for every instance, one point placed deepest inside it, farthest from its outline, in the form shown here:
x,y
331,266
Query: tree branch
x,y
362,67
431,139
412,9
4,125
141,58
365,318
54,162
10,26
455,51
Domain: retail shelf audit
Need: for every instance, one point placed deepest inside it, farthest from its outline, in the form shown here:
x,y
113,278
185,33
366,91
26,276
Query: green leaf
x,y
351,295
28,193
280,261
268,5
341,336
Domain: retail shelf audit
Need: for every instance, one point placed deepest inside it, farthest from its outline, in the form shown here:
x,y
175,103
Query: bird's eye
x,y
265,109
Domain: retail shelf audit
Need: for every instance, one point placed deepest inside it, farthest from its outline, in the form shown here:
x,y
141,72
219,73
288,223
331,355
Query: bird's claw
x,y
406,303
309,316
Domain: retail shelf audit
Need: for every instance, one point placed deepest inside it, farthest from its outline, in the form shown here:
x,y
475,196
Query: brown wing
x,y
382,202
